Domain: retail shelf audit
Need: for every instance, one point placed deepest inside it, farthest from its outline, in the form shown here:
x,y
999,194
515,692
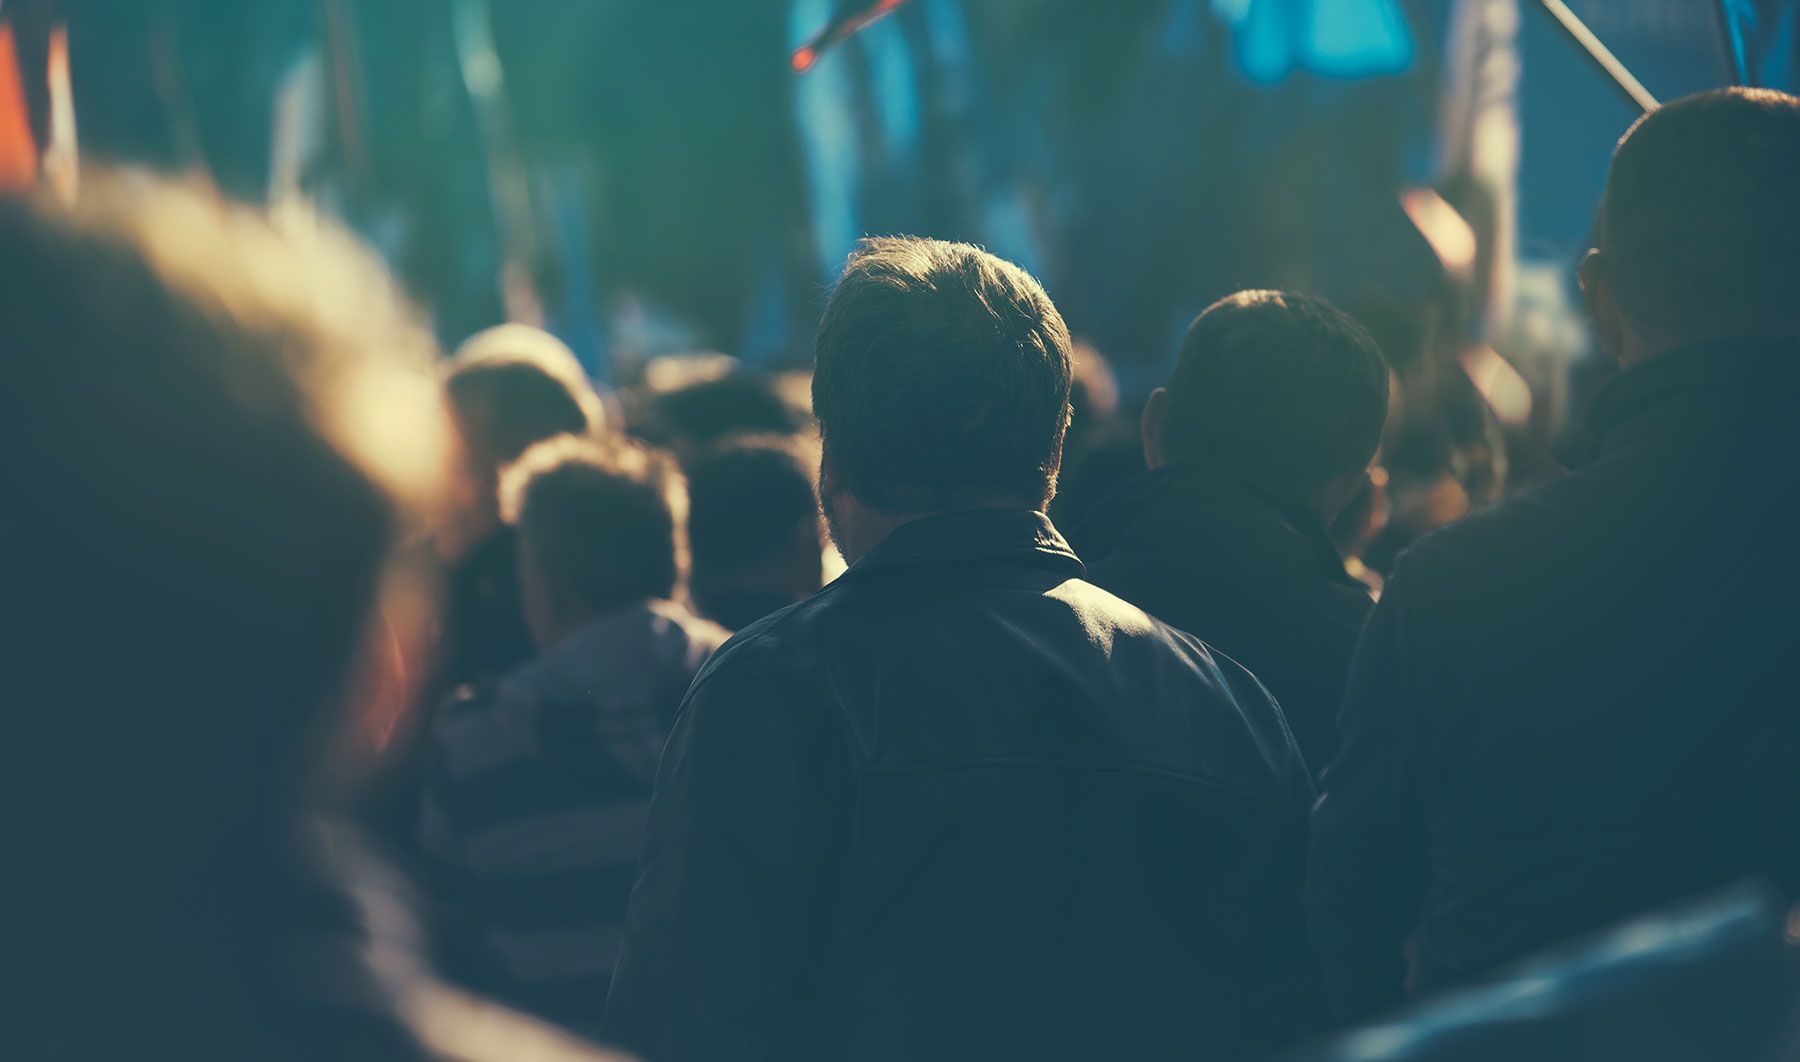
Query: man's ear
x,y
1151,426
1602,307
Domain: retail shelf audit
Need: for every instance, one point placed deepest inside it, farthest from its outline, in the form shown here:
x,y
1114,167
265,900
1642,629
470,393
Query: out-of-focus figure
x,y
1260,439
1714,978
537,784
692,419
1101,451
223,436
962,803
1579,704
754,525
510,387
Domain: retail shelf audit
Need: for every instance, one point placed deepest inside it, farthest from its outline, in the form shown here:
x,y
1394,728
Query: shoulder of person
x,y
1493,541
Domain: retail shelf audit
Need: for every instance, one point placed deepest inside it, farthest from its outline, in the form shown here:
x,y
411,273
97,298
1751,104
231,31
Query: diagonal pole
x,y
1603,60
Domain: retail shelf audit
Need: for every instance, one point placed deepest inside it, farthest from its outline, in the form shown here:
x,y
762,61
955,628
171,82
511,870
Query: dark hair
x,y
1700,223
606,522
942,373
516,386
747,500
700,414
1287,388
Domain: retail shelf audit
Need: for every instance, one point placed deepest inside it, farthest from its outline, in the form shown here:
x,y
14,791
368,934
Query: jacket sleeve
x,y
1365,874
725,940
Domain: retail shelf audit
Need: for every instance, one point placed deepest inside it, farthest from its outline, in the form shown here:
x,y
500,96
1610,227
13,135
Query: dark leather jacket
x,y
1582,703
962,804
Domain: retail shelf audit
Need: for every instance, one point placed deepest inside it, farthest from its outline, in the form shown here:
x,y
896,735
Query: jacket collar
x,y
1691,389
1019,536
1218,487
592,654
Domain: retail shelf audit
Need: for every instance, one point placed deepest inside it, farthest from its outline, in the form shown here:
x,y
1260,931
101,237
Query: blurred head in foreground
x,y
510,387
754,525
1699,226
601,527
1284,389
941,383
220,432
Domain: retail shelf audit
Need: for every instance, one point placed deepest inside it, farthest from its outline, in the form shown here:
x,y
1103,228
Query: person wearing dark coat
x,y
1581,703
1263,434
961,803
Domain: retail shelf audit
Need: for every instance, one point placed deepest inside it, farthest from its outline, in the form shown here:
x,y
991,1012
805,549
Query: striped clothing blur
x,y
535,796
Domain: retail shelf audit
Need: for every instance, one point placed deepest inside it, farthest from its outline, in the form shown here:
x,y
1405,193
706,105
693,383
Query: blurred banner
x,y
1478,147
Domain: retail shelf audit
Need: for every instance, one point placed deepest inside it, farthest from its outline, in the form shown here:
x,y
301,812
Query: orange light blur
x,y
18,148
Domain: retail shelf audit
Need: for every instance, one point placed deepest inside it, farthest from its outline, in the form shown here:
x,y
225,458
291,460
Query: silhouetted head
x,y
601,527
941,383
753,522
695,417
217,432
1284,389
1699,226
511,387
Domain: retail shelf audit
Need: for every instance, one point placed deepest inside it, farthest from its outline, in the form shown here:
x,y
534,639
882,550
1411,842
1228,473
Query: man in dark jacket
x,y
1261,437
1581,703
961,803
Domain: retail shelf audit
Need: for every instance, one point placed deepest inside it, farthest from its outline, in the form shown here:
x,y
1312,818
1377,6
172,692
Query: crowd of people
x,y
368,705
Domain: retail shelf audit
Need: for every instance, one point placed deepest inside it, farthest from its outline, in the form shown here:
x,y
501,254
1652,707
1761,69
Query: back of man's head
x,y
513,386
1284,388
941,379
1700,225
603,524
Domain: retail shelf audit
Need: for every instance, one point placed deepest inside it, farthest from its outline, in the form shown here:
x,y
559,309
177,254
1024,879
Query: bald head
x,y
1700,226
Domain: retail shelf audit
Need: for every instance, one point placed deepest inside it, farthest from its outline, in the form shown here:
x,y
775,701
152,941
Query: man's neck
x,y
856,536
1325,503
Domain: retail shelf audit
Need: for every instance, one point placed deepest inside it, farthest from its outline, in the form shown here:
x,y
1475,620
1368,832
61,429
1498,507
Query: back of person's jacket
x,y
963,804
1581,704
1252,574
536,792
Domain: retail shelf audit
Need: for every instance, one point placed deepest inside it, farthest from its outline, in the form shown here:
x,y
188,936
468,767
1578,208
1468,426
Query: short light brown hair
x,y
940,371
